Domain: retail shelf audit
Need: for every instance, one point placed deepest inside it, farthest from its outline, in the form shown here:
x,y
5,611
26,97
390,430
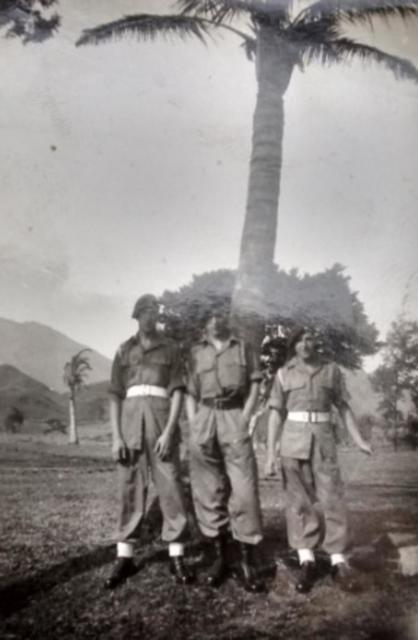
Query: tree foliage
x,y
323,301
399,372
316,34
29,20
76,370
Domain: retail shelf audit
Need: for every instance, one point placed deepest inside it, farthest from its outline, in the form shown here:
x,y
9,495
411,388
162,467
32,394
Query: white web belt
x,y
309,416
146,390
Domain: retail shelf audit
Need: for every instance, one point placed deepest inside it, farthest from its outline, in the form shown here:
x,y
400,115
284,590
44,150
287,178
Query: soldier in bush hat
x,y
303,393
223,382
146,394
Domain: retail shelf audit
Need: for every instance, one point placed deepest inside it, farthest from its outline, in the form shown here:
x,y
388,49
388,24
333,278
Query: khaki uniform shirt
x,y
160,365
225,373
296,388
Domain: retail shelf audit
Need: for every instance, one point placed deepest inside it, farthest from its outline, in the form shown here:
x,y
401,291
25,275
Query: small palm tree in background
x,y
75,372
279,38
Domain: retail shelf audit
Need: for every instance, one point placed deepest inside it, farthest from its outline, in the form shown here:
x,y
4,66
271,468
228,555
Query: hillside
x,y
41,352
92,402
33,398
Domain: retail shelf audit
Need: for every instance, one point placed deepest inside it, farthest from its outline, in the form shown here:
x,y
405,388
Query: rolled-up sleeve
x,y
117,385
253,364
277,398
177,376
341,396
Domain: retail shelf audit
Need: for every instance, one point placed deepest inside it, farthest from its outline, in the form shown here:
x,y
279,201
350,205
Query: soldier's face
x,y
217,325
148,318
304,348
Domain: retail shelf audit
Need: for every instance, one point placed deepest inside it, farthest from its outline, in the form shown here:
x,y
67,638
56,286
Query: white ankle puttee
x,y
306,555
175,549
337,558
125,550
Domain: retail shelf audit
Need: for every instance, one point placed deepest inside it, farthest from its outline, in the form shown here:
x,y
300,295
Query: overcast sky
x,y
123,170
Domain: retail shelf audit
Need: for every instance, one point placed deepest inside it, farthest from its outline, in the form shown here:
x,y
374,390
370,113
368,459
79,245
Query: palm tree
x,y
75,372
278,39
28,19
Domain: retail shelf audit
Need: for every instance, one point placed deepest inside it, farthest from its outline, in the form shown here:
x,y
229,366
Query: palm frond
x,y
344,50
250,47
358,11
216,11
219,11
146,27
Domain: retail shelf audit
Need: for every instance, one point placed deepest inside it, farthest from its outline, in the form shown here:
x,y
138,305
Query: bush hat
x,y
144,302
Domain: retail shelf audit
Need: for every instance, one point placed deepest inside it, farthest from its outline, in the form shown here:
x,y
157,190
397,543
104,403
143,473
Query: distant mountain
x,y
92,402
34,399
41,352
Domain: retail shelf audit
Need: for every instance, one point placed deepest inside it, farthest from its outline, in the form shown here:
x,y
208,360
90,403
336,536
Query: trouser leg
x,y
133,485
209,487
330,493
244,502
302,521
166,477
133,489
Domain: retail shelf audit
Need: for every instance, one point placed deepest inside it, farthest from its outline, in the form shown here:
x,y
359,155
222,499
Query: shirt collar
x,y
231,340
295,363
158,341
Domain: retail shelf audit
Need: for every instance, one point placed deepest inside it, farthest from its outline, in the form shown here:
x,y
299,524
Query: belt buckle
x,y
218,403
311,418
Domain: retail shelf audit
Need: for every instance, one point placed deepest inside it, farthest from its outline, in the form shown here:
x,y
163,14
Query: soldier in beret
x,y
303,393
146,394
223,383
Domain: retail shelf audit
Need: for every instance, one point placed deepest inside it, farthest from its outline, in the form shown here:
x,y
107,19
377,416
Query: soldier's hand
x,y
163,446
366,448
270,469
119,450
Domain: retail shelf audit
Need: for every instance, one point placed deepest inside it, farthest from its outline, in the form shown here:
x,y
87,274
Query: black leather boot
x,y
306,577
248,569
218,571
123,569
180,571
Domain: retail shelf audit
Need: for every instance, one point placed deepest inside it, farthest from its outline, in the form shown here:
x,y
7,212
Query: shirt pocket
x,y
297,394
232,369
206,377
158,366
233,375
324,393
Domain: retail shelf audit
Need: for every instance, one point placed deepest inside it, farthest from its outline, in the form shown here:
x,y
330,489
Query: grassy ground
x,y
58,510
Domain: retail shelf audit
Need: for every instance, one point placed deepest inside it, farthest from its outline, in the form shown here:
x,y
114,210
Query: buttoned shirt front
x,y
299,388
158,364
227,372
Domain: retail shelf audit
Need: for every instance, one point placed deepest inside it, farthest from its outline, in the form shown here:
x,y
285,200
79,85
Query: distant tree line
x,y
396,381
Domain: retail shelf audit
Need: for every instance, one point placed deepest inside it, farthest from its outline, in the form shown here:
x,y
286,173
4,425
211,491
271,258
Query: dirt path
x,y
58,513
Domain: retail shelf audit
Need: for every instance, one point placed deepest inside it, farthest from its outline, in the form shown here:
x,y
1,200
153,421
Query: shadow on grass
x,y
17,594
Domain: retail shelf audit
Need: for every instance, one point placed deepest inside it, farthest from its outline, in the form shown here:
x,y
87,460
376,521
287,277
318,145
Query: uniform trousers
x,y
224,475
145,420
309,480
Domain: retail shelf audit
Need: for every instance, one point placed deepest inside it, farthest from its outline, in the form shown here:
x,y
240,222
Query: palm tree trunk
x,y
73,433
275,62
